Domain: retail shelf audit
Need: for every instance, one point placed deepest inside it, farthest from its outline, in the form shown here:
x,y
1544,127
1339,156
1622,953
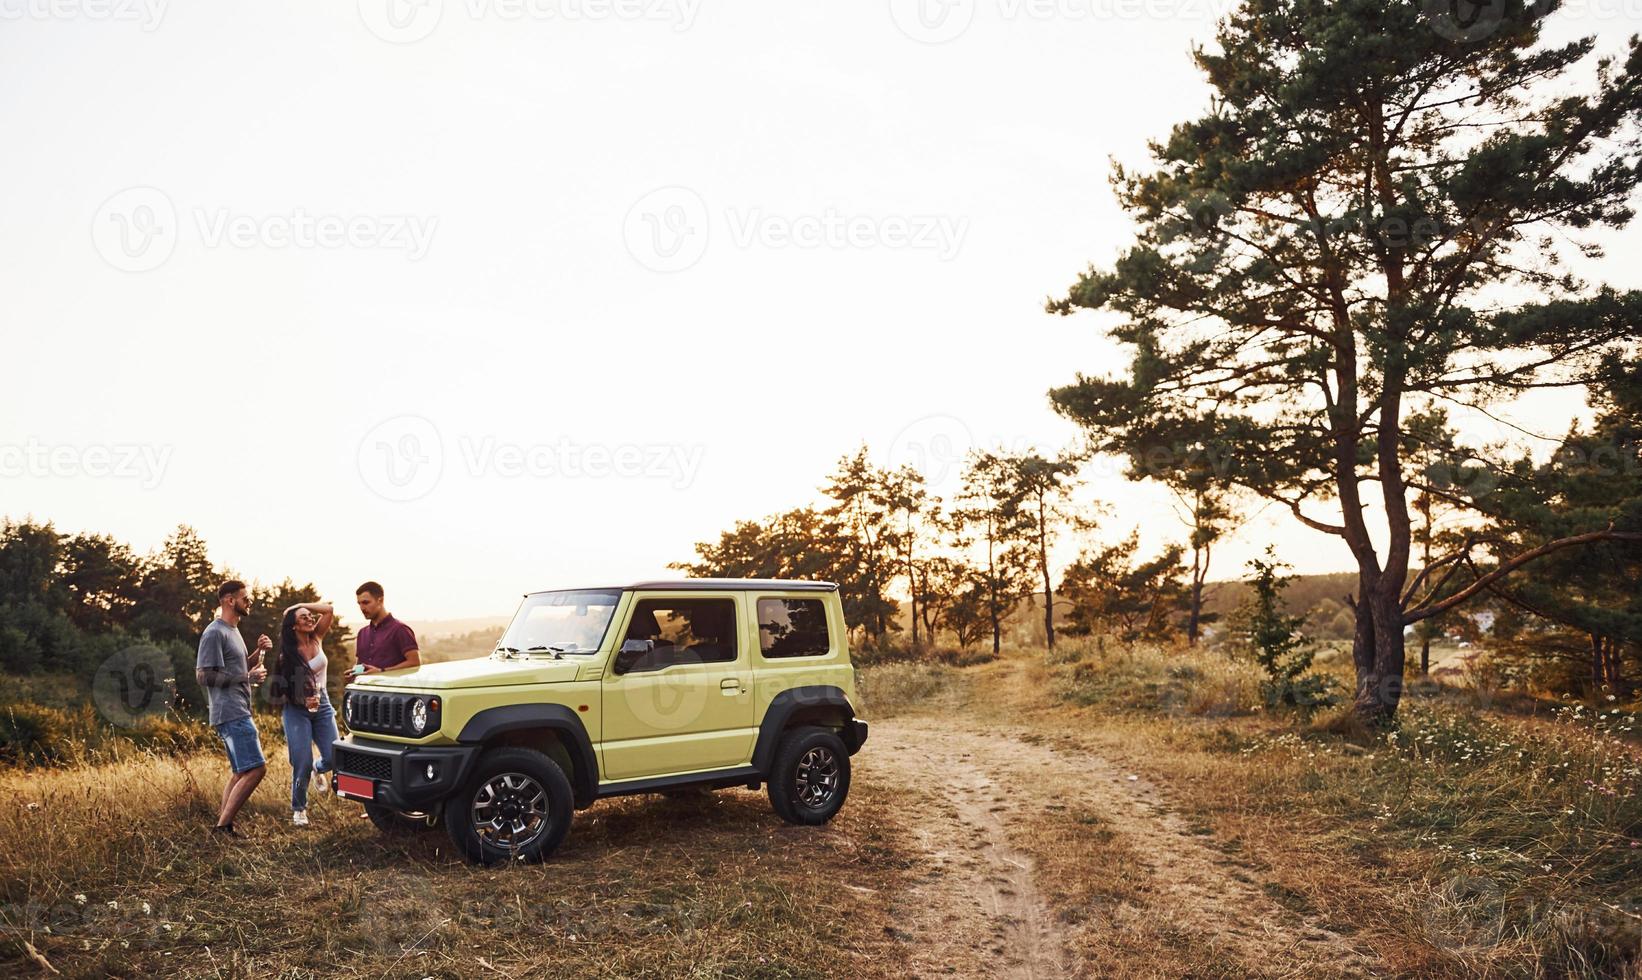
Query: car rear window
x,y
793,628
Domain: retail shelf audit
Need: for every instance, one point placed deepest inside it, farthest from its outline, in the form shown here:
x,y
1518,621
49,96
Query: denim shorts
x,y
239,737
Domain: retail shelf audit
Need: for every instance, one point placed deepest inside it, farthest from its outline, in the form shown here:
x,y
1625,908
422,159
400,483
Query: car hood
x,y
483,672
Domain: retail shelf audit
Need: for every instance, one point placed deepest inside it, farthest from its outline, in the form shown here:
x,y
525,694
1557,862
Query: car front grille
x,y
384,713
364,764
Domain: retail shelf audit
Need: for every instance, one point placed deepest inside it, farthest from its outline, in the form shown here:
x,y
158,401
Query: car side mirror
x,y
630,653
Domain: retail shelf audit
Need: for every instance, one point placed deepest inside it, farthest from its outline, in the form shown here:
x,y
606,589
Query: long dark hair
x,y
293,670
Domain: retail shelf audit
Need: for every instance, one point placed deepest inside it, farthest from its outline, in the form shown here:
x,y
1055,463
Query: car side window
x,y
793,628
683,631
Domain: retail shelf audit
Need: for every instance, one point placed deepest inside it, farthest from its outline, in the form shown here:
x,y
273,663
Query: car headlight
x,y
419,716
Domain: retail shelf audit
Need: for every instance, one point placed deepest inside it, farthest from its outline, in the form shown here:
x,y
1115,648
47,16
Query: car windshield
x,y
552,623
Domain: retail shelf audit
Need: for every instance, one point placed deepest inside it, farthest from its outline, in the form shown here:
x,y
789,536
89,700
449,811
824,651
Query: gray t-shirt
x,y
223,648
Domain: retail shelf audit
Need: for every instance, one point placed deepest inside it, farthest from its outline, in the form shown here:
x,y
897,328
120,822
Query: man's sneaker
x,y
322,780
299,818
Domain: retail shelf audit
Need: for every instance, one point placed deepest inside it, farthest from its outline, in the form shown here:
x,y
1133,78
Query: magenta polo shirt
x,y
385,644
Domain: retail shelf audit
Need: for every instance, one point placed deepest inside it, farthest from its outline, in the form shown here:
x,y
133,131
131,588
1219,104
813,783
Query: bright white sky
x,y
308,260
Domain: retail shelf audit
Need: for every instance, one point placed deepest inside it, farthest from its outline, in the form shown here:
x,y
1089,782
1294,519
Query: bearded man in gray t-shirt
x,y
227,672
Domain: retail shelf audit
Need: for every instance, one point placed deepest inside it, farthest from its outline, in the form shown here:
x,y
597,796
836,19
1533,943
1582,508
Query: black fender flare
x,y
785,704
558,718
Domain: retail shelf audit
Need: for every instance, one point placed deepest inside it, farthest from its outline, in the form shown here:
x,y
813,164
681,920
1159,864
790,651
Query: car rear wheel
x,y
515,807
811,776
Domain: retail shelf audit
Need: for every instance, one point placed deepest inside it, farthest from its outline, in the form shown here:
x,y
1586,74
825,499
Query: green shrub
x,y
31,735
1275,641
955,657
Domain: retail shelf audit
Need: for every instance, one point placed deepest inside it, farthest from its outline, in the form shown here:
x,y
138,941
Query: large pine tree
x,y
1365,226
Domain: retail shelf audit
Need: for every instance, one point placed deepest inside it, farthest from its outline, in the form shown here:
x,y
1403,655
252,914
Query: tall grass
x,y
1533,833
1154,678
111,870
890,689
35,735
1515,842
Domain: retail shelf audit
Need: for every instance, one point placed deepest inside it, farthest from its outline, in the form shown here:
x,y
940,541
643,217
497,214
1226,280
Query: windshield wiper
x,y
510,652
557,649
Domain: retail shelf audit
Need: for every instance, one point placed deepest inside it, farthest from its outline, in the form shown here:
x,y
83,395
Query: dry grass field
x,y
1112,813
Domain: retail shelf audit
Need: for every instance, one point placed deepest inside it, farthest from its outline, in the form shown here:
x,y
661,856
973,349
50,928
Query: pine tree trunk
x,y
1192,625
1378,652
992,593
1048,588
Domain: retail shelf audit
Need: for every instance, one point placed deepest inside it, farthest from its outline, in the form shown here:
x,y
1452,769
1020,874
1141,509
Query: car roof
x,y
710,585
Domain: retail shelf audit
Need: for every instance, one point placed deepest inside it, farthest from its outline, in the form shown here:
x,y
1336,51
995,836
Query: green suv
x,y
595,692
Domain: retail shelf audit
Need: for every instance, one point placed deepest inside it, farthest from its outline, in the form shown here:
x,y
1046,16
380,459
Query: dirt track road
x,y
983,909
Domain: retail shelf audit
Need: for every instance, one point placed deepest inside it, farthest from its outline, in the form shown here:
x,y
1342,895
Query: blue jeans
x,y
303,731
239,737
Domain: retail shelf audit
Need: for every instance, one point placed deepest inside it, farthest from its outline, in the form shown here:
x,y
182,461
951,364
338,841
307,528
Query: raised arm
x,y
324,611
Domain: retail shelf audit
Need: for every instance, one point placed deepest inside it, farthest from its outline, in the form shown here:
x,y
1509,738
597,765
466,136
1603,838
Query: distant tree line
x,y
68,602
962,566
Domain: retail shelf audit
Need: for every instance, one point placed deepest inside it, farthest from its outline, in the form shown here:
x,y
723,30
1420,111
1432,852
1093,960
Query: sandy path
x,y
978,911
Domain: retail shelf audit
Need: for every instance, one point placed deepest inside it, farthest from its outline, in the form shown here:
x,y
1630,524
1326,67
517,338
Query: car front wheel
x,y
811,776
516,807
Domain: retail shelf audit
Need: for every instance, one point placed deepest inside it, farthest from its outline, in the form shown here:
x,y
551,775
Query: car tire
x,y
515,807
811,776
391,821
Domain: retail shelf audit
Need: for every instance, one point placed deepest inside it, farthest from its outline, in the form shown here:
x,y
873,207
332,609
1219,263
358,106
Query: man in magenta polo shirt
x,y
385,643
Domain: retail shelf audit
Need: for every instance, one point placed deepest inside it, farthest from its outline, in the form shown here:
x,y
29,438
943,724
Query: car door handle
x,y
730,685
